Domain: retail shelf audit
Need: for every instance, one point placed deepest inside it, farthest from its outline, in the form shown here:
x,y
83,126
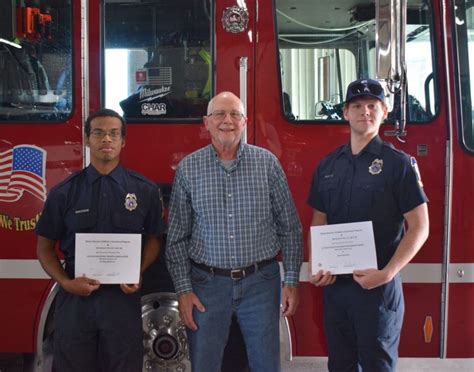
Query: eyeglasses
x,y
221,114
366,88
99,133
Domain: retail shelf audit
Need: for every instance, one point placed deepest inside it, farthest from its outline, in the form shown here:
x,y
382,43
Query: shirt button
x,y
229,195
228,174
231,236
104,194
230,215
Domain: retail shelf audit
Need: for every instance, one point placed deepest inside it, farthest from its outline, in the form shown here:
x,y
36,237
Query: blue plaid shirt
x,y
231,218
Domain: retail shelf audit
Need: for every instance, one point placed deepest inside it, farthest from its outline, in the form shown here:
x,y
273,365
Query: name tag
x,y
79,211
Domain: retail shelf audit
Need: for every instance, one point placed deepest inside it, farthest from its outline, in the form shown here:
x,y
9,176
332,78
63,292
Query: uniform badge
x,y
414,165
131,202
376,167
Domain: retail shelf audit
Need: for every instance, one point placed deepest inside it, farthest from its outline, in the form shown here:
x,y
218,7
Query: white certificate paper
x,y
109,258
342,248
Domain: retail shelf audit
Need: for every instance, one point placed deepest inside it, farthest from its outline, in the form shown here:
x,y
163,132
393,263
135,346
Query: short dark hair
x,y
104,112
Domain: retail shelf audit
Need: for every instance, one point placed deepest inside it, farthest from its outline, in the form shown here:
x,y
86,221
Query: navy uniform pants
x,y
363,326
101,332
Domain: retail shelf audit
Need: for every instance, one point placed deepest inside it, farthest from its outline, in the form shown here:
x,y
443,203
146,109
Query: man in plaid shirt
x,y
231,213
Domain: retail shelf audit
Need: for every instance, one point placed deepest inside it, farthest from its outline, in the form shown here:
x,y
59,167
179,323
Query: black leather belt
x,y
235,274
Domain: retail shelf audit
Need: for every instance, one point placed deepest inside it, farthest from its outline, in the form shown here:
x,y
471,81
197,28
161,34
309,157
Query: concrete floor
x,y
11,363
303,364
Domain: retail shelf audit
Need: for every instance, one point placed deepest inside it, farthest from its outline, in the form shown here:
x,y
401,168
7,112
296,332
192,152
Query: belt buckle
x,y
237,274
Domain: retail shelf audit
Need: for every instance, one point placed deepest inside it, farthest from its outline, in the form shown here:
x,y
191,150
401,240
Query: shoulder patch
x,y
414,165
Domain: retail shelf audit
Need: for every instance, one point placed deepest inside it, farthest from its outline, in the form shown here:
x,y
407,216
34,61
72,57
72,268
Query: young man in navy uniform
x,y
98,327
368,180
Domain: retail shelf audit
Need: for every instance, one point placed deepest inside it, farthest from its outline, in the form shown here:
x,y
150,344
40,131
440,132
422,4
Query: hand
x,y
289,300
81,286
130,288
322,279
186,302
370,278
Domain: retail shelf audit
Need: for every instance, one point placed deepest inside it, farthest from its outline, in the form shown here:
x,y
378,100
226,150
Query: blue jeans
x,y
255,301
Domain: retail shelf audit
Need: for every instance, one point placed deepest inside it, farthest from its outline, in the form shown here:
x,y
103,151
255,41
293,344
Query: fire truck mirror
x,y
390,36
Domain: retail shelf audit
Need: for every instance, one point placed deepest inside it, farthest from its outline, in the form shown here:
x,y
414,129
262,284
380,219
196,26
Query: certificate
x,y
109,258
342,248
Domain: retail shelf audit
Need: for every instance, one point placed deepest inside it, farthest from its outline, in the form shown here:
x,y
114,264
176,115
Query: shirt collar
x,y
374,147
345,150
240,151
117,174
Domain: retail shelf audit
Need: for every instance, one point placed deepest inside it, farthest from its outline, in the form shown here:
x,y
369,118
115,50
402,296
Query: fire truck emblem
x,y
376,167
131,202
235,19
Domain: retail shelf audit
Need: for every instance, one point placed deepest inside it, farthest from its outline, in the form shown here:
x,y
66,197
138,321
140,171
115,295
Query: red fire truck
x,y
159,61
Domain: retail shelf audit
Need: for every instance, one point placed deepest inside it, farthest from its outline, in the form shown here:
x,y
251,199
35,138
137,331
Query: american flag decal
x,y
22,168
160,76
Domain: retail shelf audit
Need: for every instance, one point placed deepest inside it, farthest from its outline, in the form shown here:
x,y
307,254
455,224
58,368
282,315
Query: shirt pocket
x,y
82,222
328,184
328,190
128,222
367,195
253,203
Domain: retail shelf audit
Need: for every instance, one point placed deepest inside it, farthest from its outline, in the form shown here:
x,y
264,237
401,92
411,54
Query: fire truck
x,y
159,61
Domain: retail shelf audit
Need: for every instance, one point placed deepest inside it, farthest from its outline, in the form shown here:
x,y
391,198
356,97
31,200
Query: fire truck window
x,y
464,19
323,48
35,61
157,59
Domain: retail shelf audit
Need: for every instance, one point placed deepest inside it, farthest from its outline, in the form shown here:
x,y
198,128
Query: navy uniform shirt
x,y
88,202
380,184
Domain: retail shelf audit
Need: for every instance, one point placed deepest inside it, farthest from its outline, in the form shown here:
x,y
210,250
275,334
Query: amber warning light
x,y
428,329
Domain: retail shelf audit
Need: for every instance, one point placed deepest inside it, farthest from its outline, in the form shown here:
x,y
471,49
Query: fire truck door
x,y
40,145
306,55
